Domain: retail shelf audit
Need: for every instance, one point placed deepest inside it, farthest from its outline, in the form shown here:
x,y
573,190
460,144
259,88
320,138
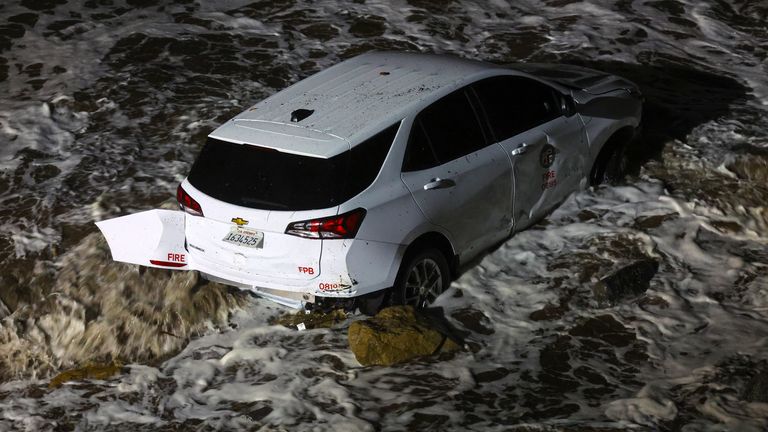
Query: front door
x,y
532,183
545,147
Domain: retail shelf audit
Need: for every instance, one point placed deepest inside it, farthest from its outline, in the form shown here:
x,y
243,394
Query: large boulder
x,y
398,334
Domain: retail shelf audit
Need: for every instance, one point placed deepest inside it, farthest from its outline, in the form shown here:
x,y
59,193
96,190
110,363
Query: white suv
x,y
387,170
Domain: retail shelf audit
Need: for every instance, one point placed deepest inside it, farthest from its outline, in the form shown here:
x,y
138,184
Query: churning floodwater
x,y
104,105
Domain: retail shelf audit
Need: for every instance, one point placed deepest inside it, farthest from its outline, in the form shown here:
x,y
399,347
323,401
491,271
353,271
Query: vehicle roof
x,y
351,101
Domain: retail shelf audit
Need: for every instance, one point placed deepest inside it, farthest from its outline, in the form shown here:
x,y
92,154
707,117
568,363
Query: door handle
x,y
438,183
522,148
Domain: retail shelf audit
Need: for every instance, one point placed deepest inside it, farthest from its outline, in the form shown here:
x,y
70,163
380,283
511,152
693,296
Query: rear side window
x,y
442,132
266,179
367,158
419,154
515,104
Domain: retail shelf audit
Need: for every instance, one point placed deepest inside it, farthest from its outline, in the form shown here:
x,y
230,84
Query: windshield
x,y
262,178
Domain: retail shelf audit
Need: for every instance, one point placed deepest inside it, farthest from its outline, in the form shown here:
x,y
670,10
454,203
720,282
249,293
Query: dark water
x,y
104,105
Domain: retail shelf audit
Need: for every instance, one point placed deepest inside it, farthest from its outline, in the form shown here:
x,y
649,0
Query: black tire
x,y
370,304
610,164
423,276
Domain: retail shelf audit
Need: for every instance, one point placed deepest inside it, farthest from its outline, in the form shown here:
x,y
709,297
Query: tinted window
x,y
367,158
260,178
419,154
515,104
442,132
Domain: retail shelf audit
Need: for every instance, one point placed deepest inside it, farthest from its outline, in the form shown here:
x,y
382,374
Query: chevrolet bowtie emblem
x,y
239,221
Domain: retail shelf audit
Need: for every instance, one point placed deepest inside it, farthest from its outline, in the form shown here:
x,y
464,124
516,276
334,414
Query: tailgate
x,y
252,243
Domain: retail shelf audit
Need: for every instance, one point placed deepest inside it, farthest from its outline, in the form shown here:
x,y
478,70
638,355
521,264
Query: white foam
x,y
310,379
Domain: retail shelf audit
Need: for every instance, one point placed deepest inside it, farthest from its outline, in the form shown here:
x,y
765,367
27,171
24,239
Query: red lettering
x,y
308,270
174,257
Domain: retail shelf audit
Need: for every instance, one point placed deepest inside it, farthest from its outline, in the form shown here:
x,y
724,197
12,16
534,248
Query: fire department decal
x,y
547,156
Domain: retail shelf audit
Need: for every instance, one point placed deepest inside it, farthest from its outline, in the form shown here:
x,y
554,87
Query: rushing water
x,y
105,104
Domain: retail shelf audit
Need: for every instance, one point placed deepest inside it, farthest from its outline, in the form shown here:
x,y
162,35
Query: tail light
x,y
343,226
187,203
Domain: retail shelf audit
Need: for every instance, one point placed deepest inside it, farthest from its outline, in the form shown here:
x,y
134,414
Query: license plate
x,y
245,237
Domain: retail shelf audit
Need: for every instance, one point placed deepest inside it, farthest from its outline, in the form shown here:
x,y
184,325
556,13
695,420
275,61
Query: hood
x,y
578,78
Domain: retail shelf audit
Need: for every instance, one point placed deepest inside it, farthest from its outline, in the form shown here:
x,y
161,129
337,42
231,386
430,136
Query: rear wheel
x,y
370,304
423,276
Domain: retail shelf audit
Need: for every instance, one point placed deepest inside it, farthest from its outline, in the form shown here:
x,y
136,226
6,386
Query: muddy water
x,y
106,102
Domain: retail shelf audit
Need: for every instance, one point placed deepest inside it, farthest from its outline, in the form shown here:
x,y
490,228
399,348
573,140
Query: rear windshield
x,y
266,179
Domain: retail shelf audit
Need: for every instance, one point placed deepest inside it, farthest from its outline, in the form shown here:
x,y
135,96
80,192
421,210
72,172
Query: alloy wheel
x,y
423,283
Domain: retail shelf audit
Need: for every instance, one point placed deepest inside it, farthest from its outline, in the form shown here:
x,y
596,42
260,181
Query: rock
x,y
752,165
586,215
714,243
474,320
756,389
398,334
89,371
550,312
629,281
605,328
10,292
654,301
652,221
311,320
727,226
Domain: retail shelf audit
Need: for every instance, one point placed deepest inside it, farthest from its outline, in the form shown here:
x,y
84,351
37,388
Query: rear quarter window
x,y
367,158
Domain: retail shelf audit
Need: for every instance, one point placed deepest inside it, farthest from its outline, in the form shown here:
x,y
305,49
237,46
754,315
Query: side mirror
x,y
567,105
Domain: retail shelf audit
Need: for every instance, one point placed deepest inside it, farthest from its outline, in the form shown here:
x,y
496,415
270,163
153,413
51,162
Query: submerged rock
x,y
550,312
89,371
751,164
742,196
398,334
627,282
474,320
756,389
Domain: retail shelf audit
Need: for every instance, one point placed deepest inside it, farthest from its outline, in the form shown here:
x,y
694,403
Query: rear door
x,y
458,180
547,149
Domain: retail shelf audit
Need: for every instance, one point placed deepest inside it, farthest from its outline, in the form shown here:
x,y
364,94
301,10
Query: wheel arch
x,y
440,242
622,136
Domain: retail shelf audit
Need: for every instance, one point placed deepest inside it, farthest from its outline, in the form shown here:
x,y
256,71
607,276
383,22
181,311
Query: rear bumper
x,y
291,299
349,268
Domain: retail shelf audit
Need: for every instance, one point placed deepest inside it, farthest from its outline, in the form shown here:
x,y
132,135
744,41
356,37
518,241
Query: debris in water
x,y
312,320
